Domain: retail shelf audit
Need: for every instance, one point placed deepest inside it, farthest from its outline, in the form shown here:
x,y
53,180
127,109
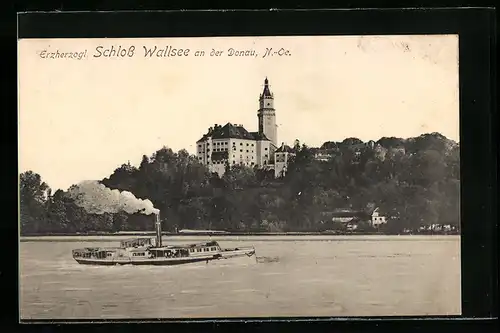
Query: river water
x,y
291,276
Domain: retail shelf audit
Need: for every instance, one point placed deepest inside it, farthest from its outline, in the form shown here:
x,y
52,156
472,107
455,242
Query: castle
x,y
232,144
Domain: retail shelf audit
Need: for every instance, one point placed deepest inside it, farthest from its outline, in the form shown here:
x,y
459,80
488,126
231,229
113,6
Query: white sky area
x,y
81,119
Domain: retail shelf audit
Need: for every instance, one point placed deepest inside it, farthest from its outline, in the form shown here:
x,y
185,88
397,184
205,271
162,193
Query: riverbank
x,y
232,234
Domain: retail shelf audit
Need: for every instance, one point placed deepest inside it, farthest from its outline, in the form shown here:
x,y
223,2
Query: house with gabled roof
x,y
281,159
352,217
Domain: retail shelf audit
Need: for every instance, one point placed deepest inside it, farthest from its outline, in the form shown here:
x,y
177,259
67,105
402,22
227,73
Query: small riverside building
x,y
351,218
281,159
377,219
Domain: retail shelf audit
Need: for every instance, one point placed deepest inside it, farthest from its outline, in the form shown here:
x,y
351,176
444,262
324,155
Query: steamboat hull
x,y
224,254
142,262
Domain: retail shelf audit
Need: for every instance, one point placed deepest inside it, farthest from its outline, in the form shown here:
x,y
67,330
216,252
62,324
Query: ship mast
x,y
158,230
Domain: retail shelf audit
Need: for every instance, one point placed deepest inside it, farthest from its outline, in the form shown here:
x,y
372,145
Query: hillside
x,y
414,181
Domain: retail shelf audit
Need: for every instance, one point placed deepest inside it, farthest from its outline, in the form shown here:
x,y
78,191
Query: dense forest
x,y
414,182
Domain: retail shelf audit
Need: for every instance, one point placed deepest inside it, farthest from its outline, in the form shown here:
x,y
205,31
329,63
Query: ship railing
x,y
211,243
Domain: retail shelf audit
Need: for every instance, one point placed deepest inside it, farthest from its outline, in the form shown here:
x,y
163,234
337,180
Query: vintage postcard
x,y
228,177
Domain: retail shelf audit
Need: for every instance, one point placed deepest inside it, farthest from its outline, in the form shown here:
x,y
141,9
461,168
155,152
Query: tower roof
x,y
266,92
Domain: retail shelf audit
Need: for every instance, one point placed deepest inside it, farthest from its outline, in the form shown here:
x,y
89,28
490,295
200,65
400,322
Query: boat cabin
x,y
203,248
95,253
169,252
135,242
209,248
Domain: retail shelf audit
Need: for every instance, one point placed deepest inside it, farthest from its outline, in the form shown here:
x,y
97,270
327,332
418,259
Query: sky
x,y
80,119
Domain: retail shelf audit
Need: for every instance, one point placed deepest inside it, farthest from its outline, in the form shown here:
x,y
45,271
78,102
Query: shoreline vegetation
x,y
232,234
414,182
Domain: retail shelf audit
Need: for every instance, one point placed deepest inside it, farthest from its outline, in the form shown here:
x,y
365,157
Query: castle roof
x,y
230,131
259,136
203,138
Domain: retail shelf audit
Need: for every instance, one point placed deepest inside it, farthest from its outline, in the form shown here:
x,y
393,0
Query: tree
x,y
123,178
391,142
119,221
351,142
329,145
428,167
57,218
33,197
296,146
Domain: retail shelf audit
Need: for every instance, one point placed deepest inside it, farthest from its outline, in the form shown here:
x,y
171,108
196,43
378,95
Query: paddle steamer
x,y
151,251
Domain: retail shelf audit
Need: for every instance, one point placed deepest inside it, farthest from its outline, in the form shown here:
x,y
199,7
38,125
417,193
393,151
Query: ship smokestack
x,y
158,229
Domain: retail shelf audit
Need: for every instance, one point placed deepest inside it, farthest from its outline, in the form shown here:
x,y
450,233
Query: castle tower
x,y
267,114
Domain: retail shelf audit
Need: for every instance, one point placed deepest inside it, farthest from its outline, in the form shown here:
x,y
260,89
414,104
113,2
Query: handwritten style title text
x,y
131,51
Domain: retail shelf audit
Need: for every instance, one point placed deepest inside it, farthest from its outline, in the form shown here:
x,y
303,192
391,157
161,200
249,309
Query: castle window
x,y
265,155
234,162
241,143
241,150
247,150
252,144
247,144
265,148
252,163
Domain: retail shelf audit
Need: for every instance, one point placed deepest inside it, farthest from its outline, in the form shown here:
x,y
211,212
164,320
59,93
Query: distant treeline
x,y
414,182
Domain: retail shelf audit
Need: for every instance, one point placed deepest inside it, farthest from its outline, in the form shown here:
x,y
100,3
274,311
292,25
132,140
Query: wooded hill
x,y
414,182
